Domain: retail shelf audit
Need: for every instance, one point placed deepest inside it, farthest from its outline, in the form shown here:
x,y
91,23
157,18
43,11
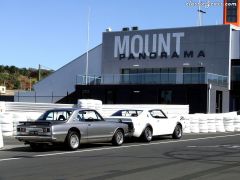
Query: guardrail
x,y
154,78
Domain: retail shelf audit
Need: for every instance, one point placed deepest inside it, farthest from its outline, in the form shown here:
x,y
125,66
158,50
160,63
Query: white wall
x,y
63,80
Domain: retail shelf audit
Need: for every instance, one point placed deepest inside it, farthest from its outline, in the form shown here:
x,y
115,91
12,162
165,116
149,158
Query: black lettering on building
x,y
175,55
188,54
201,54
142,56
122,56
163,55
131,56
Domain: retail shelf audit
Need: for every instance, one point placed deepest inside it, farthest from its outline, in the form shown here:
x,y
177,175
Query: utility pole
x,y
200,12
39,72
30,84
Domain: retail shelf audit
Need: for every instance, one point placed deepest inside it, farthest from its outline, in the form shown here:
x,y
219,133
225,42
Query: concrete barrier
x,y
203,123
186,122
193,123
1,138
2,106
211,123
219,123
237,123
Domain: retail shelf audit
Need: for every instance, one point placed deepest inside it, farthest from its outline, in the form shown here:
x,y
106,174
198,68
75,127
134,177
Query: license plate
x,y
33,132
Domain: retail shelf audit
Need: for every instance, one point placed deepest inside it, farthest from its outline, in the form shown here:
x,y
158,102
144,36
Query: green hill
x,y
20,78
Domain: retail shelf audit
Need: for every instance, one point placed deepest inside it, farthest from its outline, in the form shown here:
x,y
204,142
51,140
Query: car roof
x,y
69,109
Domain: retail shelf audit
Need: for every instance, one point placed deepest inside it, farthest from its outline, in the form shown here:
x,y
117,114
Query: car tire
x,y
118,138
73,140
147,134
177,134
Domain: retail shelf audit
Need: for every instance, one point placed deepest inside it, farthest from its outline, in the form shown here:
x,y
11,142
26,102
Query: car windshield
x,y
128,113
55,115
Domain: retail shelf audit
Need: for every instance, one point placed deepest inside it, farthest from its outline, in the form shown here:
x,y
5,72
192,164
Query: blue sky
x,y
54,32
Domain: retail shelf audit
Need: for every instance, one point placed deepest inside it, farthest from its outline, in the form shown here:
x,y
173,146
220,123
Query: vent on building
x,y
125,29
109,29
135,28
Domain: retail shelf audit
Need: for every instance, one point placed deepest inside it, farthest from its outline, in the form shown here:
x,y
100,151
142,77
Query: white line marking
x,y
9,159
121,147
217,146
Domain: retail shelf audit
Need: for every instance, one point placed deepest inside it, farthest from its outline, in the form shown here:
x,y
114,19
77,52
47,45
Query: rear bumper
x,y
43,139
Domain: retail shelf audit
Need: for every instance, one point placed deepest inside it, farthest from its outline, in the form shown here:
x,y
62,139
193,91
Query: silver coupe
x,y
71,126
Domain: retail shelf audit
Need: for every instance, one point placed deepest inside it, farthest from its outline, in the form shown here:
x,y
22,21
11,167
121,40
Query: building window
x,y
149,76
236,73
109,97
166,97
232,12
194,75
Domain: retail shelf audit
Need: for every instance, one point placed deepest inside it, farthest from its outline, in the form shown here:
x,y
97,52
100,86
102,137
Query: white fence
x,y
11,113
210,123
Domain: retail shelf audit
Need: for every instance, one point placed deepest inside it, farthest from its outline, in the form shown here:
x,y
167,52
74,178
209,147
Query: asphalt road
x,y
203,156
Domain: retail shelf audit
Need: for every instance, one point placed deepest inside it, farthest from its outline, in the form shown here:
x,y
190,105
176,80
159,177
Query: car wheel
x,y
118,138
73,140
147,134
177,134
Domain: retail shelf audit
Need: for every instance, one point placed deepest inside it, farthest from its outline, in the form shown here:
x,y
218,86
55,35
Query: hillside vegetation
x,y
20,78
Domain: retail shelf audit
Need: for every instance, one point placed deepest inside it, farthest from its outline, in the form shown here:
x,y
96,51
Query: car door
x,y
162,126
154,122
98,129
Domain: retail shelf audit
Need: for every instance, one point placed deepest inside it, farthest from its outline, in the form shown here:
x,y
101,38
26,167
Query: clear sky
x,y
54,32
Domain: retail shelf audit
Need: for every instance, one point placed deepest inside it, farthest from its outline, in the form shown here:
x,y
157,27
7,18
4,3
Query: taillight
x,y
46,130
22,129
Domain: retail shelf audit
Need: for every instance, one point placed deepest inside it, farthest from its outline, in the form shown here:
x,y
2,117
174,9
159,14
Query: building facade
x,y
166,66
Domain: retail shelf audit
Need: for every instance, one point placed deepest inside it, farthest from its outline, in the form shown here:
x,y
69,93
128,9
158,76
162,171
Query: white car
x,y
147,123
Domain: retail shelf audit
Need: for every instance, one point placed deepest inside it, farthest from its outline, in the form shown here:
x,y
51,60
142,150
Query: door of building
x,y
219,96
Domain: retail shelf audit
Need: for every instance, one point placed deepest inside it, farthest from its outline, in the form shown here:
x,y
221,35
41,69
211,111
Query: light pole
x,y
88,25
209,98
200,12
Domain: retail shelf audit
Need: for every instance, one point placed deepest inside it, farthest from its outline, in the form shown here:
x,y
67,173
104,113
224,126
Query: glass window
x,y
166,97
232,12
128,113
172,75
235,73
109,97
164,75
157,114
193,75
56,115
149,75
89,115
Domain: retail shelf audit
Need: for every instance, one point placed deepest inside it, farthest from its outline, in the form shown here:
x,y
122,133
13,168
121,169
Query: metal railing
x,y
154,78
